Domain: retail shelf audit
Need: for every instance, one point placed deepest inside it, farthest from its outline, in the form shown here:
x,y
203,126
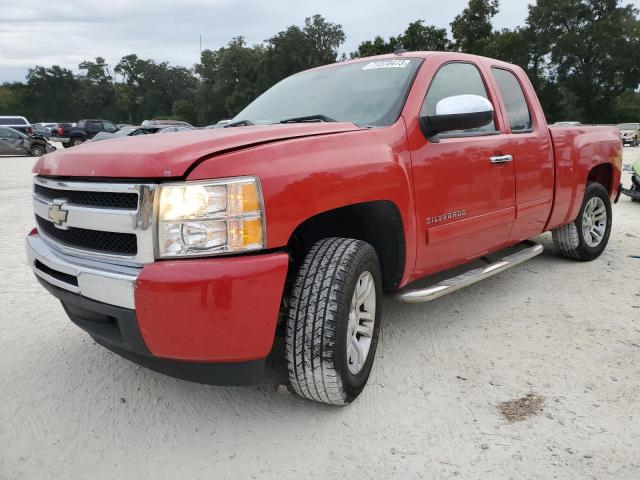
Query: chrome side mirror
x,y
459,112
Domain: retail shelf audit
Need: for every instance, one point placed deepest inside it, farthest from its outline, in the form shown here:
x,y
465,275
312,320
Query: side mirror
x,y
460,112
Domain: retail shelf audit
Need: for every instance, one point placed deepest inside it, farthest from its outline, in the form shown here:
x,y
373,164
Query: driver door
x,y
464,182
11,143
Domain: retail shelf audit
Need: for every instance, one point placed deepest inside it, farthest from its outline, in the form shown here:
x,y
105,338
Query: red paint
x,y
225,309
211,310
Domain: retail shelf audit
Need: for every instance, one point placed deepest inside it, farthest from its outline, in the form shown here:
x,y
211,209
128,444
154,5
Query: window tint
x,y
456,79
12,121
93,125
6,133
517,109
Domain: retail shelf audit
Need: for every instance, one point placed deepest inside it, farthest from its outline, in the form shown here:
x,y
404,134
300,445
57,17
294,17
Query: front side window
x,y
367,93
456,79
518,112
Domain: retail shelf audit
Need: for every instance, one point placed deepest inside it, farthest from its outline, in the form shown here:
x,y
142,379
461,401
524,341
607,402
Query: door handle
x,y
501,159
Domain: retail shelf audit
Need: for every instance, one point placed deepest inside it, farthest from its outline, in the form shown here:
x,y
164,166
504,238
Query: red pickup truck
x,y
187,253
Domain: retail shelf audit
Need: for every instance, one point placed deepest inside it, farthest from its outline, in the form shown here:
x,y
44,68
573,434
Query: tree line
x,y
582,56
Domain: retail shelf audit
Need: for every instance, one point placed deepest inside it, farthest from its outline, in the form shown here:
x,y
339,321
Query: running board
x,y
457,282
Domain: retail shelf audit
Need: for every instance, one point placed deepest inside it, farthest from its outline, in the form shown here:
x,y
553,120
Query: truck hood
x,y
171,154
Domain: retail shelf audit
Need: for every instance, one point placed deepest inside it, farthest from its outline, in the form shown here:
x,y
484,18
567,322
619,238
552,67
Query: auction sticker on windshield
x,y
386,64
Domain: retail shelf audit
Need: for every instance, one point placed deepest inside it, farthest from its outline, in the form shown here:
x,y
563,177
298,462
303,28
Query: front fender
x,y
301,178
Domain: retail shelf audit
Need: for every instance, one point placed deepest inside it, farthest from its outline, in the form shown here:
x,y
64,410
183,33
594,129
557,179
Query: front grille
x,y
96,240
89,198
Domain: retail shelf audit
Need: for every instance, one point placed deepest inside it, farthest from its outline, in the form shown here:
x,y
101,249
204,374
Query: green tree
x,y
593,52
416,37
472,28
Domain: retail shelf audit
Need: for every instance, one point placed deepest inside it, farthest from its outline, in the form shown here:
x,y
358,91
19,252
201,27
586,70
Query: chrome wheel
x,y
362,317
594,222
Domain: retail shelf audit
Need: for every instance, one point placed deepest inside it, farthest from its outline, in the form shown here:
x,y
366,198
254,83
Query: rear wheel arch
x,y
378,222
602,174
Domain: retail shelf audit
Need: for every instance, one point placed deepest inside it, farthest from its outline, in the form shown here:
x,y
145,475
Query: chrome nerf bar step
x,y
449,285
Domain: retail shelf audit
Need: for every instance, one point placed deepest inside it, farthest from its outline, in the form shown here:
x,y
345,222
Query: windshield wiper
x,y
309,118
239,123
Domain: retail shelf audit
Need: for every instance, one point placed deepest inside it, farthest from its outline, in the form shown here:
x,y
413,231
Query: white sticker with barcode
x,y
386,64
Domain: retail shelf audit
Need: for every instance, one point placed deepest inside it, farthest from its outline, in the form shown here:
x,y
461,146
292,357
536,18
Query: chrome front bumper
x,y
104,282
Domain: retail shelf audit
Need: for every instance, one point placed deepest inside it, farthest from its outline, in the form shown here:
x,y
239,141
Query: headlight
x,y
211,217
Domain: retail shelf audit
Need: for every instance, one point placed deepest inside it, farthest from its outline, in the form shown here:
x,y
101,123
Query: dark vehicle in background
x,y
14,142
71,135
20,124
630,133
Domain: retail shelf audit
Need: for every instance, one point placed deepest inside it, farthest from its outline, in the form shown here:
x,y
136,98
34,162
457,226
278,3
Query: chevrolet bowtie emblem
x,y
57,215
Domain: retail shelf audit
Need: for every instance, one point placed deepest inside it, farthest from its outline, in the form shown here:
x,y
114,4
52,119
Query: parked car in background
x,y
567,124
123,125
140,130
20,124
71,135
176,129
630,133
14,142
165,123
42,130
220,124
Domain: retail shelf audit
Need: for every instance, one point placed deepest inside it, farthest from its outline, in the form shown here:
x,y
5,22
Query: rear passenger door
x,y
531,149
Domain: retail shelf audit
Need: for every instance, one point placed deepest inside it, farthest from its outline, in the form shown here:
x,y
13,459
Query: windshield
x,y
628,126
368,93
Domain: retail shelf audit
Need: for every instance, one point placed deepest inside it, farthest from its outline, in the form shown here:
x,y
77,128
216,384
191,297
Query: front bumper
x,y
208,320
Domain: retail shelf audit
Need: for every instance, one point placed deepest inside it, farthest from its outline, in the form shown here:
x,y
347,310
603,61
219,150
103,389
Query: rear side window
x,y
456,79
13,121
518,112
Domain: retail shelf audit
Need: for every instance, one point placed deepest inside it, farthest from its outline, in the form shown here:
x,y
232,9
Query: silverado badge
x,y
445,216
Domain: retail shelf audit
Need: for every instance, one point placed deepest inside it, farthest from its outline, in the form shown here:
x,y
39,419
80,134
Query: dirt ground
x,y
556,342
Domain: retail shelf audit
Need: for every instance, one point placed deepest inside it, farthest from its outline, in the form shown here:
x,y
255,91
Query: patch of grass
x,y
521,408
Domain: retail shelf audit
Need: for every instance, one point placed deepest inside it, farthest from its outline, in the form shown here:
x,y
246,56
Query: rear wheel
x,y
75,142
334,320
587,236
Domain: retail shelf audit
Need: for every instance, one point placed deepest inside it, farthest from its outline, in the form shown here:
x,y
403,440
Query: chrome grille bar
x,y
64,214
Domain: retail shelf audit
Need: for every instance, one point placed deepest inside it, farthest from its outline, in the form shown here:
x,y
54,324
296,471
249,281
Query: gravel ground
x,y
534,373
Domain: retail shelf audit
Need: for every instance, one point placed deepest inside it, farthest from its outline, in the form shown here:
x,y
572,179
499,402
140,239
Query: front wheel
x,y
37,151
587,236
333,320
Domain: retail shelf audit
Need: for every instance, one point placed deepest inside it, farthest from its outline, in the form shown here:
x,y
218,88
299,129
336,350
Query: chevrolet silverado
x,y
187,253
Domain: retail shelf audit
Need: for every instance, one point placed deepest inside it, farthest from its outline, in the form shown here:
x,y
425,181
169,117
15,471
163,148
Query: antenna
x,y
200,44
399,49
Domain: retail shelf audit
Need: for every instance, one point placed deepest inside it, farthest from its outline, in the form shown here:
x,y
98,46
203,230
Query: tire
x,y
74,142
572,240
318,321
37,151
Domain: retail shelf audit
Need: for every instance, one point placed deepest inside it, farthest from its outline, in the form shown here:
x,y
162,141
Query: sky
x,y
65,32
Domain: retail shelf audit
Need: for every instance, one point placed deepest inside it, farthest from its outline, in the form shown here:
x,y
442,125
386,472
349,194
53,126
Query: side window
x,y
81,124
456,79
109,127
517,109
6,133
